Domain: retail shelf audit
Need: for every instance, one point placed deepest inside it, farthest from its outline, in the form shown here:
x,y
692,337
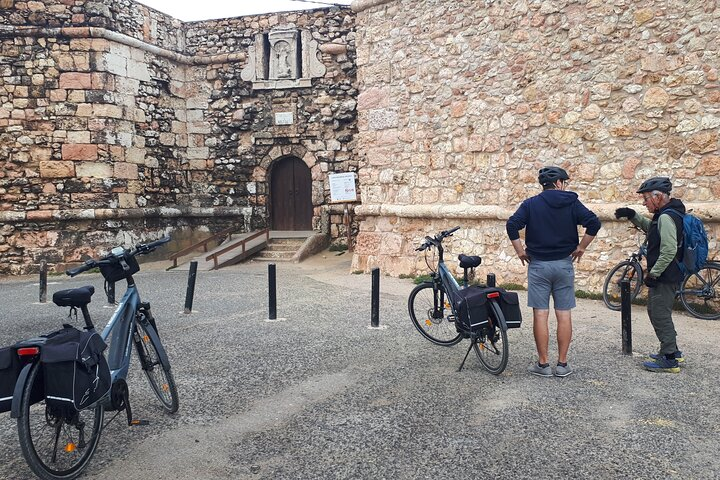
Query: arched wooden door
x,y
291,195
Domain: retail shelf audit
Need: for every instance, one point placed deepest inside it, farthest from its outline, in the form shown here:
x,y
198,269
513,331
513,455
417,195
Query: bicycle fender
x,y
155,338
498,313
19,387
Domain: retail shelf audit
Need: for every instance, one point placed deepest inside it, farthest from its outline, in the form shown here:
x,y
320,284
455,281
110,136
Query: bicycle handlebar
x,y
437,240
140,249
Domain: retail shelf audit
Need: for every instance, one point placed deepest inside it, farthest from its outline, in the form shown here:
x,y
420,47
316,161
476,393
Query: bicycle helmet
x,y
548,175
661,184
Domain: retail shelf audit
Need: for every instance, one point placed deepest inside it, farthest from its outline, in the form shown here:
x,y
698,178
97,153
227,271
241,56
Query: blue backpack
x,y
694,249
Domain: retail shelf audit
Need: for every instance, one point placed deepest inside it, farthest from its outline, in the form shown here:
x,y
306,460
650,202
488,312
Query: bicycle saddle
x,y
74,297
469,261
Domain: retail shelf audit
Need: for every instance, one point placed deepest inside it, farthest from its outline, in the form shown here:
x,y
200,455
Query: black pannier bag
x,y
472,310
116,271
510,306
75,370
9,371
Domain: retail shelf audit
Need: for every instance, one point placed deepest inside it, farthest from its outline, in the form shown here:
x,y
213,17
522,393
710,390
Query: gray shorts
x,y
556,278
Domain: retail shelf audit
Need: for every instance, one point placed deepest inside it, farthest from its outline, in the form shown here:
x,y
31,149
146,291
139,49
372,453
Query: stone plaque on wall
x,y
284,118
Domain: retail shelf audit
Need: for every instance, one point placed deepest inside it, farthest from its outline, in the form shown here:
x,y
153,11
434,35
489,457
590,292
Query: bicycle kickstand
x,y
128,412
472,342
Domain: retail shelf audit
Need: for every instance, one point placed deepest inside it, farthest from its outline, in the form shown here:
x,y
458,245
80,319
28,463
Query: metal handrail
x,y
202,243
214,256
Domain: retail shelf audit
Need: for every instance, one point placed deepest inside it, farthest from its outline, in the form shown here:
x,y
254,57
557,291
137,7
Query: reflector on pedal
x,y
70,447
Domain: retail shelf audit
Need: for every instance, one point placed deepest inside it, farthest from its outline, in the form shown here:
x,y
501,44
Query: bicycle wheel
x,y
611,289
492,348
57,442
433,325
699,292
161,380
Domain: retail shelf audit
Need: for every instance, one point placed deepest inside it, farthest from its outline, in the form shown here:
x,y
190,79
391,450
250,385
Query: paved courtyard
x,y
317,394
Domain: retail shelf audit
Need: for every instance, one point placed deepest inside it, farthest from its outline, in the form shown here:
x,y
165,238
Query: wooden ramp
x,y
230,252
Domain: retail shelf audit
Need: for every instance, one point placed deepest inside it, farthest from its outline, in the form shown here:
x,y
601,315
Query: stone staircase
x,y
279,250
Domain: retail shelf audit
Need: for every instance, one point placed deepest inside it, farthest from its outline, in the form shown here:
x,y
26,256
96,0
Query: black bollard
x,y
490,280
625,317
375,299
192,274
111,293
43,281
272,297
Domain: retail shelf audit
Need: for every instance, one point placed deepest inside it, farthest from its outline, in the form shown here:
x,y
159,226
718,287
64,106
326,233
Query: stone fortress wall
x,y
461,101
119,123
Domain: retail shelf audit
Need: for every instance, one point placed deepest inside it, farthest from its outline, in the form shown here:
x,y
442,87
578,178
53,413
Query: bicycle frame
x,y
122,323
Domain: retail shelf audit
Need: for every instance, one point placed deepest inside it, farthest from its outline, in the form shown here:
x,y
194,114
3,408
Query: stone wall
x,y
462,101
119,123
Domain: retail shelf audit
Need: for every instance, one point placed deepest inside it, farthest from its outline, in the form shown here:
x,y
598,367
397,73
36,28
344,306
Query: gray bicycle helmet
x,y
661,184
548,175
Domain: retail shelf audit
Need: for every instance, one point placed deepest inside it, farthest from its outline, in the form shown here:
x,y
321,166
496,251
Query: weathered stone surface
x,y
75,80
625,94
57,169
79,152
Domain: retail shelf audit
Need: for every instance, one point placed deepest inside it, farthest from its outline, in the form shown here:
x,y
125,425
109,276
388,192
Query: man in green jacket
x,y
665,235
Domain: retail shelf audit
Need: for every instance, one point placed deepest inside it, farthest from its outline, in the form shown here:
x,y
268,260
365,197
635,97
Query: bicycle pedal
x,y
137,423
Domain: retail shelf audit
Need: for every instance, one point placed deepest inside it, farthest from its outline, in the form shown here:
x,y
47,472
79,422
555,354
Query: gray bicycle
x,y
58,442
699,292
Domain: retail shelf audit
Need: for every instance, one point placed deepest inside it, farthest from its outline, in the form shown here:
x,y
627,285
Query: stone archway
x,y
290,195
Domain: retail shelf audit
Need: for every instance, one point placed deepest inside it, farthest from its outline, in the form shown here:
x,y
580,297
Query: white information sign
x,y
342,187
283,118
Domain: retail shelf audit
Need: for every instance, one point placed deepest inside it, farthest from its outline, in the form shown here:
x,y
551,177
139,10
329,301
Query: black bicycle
x,y
58,441
699,292
434,309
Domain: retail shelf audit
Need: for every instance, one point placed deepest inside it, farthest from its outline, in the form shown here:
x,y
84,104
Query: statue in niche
x,y
282,51
284,57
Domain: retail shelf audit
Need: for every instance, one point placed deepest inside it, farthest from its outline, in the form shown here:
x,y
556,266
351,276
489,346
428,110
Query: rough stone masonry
x,y
119,123
461,101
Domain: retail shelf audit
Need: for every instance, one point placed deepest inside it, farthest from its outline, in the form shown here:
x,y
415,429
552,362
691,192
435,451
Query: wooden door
x,y
291,195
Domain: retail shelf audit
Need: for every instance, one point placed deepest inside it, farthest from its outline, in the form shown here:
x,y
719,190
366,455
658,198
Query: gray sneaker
x,y
540,371
561,371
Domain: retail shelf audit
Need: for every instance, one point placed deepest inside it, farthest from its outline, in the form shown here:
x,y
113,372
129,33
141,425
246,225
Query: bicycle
x,y
433,309
698,292
58,442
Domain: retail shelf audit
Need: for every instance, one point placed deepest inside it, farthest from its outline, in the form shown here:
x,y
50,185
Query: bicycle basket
x,y
115,271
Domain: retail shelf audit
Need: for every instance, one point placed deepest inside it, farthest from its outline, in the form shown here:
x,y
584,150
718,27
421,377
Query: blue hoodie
x,y
551,219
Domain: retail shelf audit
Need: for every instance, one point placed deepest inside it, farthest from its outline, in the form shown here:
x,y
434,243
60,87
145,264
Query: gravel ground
x,y
317,394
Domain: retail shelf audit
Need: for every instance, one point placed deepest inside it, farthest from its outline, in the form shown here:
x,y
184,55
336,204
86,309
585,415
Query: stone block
x,y
79,137
38,154
135,155
107,110
94,170
655,97
167,139
102,81
138,71
57,169
127,200
125,170
75,80
79,152
194,153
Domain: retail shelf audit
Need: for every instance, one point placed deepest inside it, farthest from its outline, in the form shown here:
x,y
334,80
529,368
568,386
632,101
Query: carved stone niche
x,y
285,57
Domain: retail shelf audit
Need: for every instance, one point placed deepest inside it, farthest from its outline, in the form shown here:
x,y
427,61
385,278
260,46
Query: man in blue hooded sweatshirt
x,y
552,243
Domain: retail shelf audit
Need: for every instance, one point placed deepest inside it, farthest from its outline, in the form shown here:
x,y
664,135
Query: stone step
x,y
287,241
281,248
259,258
268,254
